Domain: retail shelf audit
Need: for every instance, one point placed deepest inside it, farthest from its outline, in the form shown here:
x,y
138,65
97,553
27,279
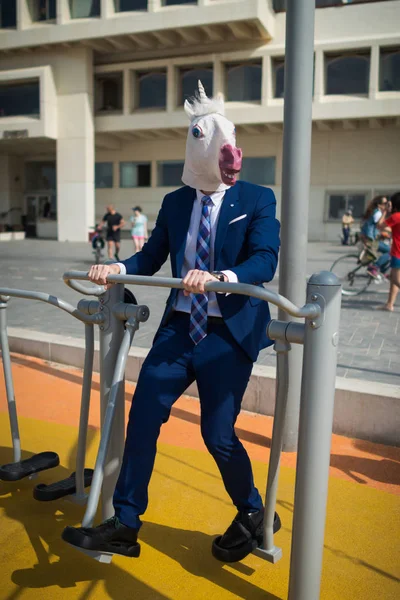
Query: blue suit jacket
x,y
249,247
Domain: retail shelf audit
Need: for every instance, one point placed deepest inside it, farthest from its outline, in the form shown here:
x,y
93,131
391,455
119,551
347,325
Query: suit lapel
x,y
230,209
185,212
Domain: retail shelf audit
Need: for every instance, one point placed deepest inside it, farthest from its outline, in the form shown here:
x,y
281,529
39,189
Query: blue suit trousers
x,y
222,370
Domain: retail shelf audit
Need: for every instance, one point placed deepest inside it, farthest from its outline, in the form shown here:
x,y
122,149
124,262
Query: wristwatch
x,y
220,276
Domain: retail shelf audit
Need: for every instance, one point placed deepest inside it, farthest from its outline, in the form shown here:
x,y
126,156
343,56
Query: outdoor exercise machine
x,y
118,320
76,483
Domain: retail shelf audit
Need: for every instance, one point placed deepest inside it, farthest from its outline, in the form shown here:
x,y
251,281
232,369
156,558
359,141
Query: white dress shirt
x,y
183,303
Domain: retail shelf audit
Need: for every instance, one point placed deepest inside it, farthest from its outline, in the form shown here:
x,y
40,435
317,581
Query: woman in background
x,y
139,228
393,221
374,218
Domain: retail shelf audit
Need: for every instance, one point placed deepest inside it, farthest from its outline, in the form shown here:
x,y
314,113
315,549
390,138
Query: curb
x,y
364,410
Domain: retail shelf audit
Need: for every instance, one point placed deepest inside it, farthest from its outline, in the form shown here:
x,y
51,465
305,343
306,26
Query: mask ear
x,y
189,109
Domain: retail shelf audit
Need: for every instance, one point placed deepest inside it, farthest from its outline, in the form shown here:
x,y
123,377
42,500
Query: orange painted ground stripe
x,y
51,393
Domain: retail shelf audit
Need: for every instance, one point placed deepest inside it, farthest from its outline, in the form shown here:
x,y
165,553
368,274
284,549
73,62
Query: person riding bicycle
x,y
98,237
393,221
374,217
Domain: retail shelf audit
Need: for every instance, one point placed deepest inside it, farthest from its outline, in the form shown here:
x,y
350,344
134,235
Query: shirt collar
x,y
216,197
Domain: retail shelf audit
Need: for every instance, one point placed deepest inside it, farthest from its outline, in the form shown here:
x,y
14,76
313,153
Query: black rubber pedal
x,y
29,466
59,489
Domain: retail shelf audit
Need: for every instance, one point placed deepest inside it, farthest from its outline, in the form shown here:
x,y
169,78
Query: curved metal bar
x,y
95,290
8,380
308,311
84,414
42,297
117,381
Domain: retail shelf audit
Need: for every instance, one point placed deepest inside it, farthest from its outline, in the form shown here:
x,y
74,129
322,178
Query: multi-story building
x,y
92,92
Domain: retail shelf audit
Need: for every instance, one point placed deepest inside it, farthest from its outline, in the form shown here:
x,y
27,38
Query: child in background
x,y
139,228
393,221
347,222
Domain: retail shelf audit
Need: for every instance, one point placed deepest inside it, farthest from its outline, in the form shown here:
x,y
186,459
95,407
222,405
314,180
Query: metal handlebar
x,y
308,311
49,299
94,290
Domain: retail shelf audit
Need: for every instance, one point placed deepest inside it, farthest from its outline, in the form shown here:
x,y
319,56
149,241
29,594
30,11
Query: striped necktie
x,y
198,313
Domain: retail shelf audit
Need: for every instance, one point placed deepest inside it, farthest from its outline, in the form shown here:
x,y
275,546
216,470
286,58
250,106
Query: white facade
x,y
88,78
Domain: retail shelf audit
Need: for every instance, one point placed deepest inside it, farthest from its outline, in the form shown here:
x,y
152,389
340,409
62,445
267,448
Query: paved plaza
x,y
369,339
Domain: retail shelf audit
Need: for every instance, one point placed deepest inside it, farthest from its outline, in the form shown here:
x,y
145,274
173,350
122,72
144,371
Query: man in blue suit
x,y
213,228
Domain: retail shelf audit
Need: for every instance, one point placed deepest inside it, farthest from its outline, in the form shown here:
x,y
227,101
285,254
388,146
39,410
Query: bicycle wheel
x,y
353,276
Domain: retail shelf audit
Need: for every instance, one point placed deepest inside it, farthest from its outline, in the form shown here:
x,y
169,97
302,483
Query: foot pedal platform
x,y
29,466
102,557
59,489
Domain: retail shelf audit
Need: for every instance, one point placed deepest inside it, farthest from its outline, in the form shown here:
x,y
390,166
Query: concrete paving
x,y
369,339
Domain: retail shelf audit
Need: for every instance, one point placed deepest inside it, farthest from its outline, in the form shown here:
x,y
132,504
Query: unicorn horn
x,y
202,91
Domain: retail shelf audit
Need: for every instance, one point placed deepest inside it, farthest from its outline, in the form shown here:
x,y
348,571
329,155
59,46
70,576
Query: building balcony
x,y
121,26
145,99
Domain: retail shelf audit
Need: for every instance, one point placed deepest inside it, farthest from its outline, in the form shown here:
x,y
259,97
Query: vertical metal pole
x,y
269,551
107,430
295,182
12,408
315,430
111,334
84,414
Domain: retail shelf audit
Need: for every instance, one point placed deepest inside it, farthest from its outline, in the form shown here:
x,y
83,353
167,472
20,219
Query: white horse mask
x,y
212,159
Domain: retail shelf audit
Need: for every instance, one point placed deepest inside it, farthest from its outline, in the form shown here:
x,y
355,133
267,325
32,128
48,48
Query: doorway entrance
x,y
41,215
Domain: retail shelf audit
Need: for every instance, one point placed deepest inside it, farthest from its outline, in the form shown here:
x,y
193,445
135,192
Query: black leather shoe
x,y
111,536
243,536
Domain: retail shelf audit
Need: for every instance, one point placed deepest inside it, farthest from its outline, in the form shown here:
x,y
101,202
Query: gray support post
x,y
111,335
315,430
269,551
84,414
299,56
12,408
109,433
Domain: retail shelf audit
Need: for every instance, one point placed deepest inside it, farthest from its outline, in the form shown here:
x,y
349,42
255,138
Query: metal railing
x,y
118,321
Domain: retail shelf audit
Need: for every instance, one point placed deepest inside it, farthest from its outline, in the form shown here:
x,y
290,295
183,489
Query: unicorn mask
x,y
212,159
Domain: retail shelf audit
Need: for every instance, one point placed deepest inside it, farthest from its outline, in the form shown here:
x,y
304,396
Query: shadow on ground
x,y
61,566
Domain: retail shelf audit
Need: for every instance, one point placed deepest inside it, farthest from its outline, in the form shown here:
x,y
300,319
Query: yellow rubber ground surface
x,y
188,507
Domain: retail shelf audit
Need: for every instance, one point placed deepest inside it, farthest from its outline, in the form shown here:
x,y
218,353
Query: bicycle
x,y
352,270
98,243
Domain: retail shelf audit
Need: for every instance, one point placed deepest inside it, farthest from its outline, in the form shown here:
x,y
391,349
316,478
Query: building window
x,y
40,176
169,173
108,92
278,71
347,73
130,5
188,81
339,202
152,89
260,170
173,2
8,14
20,99
243,82
278,75
132,175
389,70
43,10
84,9
103,175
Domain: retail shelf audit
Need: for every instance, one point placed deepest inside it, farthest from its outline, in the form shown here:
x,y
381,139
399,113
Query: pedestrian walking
x,y
139,228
